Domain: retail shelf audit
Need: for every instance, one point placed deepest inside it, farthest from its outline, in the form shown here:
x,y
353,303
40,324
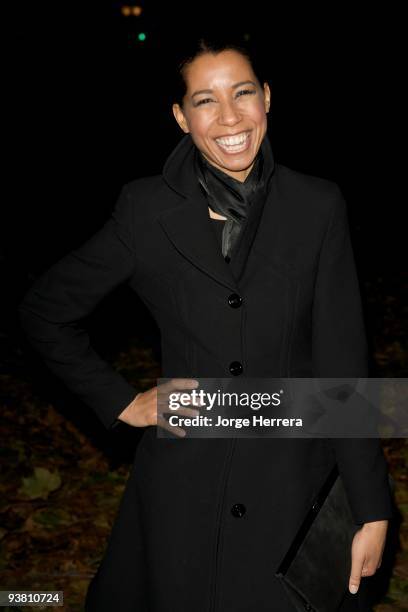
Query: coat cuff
x,y
363,469
109,403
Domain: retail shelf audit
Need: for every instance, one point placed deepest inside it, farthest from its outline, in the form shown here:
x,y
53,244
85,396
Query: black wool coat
x,y
175,545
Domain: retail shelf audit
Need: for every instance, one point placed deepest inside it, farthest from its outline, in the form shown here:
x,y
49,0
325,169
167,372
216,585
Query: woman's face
x,y
224,110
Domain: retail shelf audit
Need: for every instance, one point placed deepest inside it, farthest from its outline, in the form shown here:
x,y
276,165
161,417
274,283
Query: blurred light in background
x,y
141,36
131,11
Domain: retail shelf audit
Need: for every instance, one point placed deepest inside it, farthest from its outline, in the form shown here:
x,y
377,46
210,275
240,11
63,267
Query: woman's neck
x,y
215,215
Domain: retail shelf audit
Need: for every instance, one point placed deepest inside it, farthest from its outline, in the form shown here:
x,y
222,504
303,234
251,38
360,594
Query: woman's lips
x,y
234,149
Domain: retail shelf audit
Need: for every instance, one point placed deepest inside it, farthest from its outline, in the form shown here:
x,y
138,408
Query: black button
x,y
227,258
235,368
238,510
316,507
235,300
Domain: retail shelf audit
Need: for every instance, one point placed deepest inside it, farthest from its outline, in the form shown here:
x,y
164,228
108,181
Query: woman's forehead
x,y
223,69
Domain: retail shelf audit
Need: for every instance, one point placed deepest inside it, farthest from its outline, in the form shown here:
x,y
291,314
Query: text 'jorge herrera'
x,y
237,423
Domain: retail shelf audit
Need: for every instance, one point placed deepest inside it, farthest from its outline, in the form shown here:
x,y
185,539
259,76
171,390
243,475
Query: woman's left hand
x,y
366,552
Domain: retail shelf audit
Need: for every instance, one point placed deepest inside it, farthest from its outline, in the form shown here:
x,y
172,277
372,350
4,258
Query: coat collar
x,y
188,224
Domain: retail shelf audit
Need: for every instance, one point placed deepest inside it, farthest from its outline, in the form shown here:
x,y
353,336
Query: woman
x,y
248,270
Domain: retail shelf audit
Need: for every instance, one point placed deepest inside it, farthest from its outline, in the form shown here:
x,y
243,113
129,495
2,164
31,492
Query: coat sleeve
x,y
50,313
340,350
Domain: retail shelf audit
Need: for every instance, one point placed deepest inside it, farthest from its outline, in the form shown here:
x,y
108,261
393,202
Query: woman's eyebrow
x,y
201,91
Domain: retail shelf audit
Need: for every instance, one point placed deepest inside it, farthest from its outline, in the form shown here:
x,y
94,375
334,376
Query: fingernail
x,y
353,589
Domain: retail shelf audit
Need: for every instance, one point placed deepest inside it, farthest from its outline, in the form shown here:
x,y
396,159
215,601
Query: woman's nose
x,y
229,114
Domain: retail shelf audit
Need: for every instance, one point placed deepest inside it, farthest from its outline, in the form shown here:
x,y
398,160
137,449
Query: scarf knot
x,y
231,198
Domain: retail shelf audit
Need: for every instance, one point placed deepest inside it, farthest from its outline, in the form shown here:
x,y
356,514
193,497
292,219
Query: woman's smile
x,y
234,144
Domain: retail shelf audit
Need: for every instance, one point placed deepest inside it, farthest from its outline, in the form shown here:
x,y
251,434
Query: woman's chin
x,y
237,163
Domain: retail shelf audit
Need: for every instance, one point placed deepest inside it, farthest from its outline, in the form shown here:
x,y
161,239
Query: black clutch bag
x,y
316,569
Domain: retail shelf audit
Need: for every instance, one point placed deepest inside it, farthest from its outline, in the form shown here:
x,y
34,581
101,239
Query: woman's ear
x,y
180,118
267,97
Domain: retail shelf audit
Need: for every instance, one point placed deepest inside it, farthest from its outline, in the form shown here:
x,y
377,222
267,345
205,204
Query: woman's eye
x,y
203,101
246,91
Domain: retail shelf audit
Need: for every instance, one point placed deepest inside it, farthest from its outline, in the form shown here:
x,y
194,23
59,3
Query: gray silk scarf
x,y
232,198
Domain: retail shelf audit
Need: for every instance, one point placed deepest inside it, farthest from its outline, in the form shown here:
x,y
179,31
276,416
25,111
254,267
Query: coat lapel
x,y
188,225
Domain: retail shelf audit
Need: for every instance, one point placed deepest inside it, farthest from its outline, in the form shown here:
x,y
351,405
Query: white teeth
x,y
233,140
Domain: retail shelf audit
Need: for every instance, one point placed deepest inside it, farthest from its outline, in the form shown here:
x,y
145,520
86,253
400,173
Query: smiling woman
x,y
204,523
224,109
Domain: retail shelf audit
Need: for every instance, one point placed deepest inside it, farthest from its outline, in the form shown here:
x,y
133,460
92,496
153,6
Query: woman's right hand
x,y
148,407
